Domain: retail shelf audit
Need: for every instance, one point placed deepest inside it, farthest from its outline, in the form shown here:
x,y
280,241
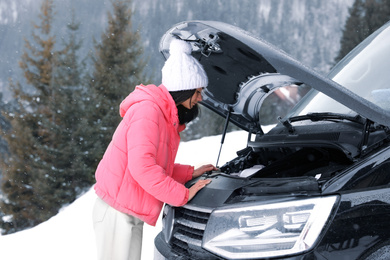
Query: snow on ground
x,y
70,235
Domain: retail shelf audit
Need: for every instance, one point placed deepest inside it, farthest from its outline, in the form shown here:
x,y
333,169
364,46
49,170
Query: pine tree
x,y
73,175
365,16
118,68
5,107
39,176
354,29
377,13
27,135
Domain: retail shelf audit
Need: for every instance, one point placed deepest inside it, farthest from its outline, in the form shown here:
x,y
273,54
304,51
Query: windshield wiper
x,y
315,117
328,117
287,124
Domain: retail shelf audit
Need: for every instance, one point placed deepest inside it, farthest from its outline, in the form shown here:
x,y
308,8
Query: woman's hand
x,y
202,169
197,187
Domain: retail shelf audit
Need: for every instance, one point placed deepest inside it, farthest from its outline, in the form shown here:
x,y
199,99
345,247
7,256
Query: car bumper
x,y
164,252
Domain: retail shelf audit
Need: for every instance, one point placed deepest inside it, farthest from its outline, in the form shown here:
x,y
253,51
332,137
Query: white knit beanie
x,y
182,71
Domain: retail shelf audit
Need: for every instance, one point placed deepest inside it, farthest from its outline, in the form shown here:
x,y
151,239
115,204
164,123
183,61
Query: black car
x,y
315,186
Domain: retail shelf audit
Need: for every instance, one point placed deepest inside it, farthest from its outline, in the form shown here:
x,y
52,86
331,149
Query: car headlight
x,y
255,231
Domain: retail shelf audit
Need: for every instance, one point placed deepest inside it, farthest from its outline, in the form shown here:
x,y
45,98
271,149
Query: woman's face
x,y
196,97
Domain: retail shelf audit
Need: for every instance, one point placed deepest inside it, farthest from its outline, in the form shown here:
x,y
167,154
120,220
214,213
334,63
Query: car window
x,y
365,71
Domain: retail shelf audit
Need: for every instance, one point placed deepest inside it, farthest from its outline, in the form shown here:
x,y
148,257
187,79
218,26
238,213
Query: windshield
x,y
365,71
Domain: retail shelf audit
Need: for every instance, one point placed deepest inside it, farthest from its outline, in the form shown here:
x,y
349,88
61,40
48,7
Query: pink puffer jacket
x,y
137,173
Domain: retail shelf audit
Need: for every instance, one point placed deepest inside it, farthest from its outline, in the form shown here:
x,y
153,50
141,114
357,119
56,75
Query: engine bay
x,y
317,153
319,162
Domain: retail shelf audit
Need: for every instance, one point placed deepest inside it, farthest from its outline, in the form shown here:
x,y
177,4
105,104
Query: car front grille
x,y
190,225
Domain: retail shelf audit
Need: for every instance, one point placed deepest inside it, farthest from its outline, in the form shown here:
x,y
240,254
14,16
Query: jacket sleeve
x,y
182,173
143,140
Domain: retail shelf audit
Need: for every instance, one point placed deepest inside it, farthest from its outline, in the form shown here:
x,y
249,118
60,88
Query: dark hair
x,y
185,115
181,96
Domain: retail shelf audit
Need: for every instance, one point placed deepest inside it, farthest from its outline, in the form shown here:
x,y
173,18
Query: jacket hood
x,y
158,95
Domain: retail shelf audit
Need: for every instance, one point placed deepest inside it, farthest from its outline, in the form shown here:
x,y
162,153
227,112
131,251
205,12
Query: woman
x,y
138,173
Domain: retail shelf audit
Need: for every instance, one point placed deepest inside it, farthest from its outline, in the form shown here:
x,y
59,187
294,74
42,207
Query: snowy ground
x,y
69,234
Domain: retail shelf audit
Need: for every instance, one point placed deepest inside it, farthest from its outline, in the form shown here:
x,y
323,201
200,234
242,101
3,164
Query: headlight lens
x,y
254,231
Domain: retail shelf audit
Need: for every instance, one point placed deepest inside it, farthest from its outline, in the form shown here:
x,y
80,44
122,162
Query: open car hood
x,y
243,70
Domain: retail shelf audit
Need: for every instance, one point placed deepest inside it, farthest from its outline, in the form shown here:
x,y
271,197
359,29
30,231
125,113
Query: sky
x,y
70,234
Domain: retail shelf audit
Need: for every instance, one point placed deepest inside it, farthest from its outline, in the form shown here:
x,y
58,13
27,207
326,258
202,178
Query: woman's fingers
x,y
202,183
197,187
204,168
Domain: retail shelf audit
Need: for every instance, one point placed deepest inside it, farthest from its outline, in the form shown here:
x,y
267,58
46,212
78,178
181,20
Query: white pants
x,y
118,235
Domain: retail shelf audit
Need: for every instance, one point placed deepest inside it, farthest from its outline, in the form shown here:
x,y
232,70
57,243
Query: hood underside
x,y
243,70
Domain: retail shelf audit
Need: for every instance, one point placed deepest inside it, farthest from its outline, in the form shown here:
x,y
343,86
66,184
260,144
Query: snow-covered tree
x,y
118,66
365,16
39,174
